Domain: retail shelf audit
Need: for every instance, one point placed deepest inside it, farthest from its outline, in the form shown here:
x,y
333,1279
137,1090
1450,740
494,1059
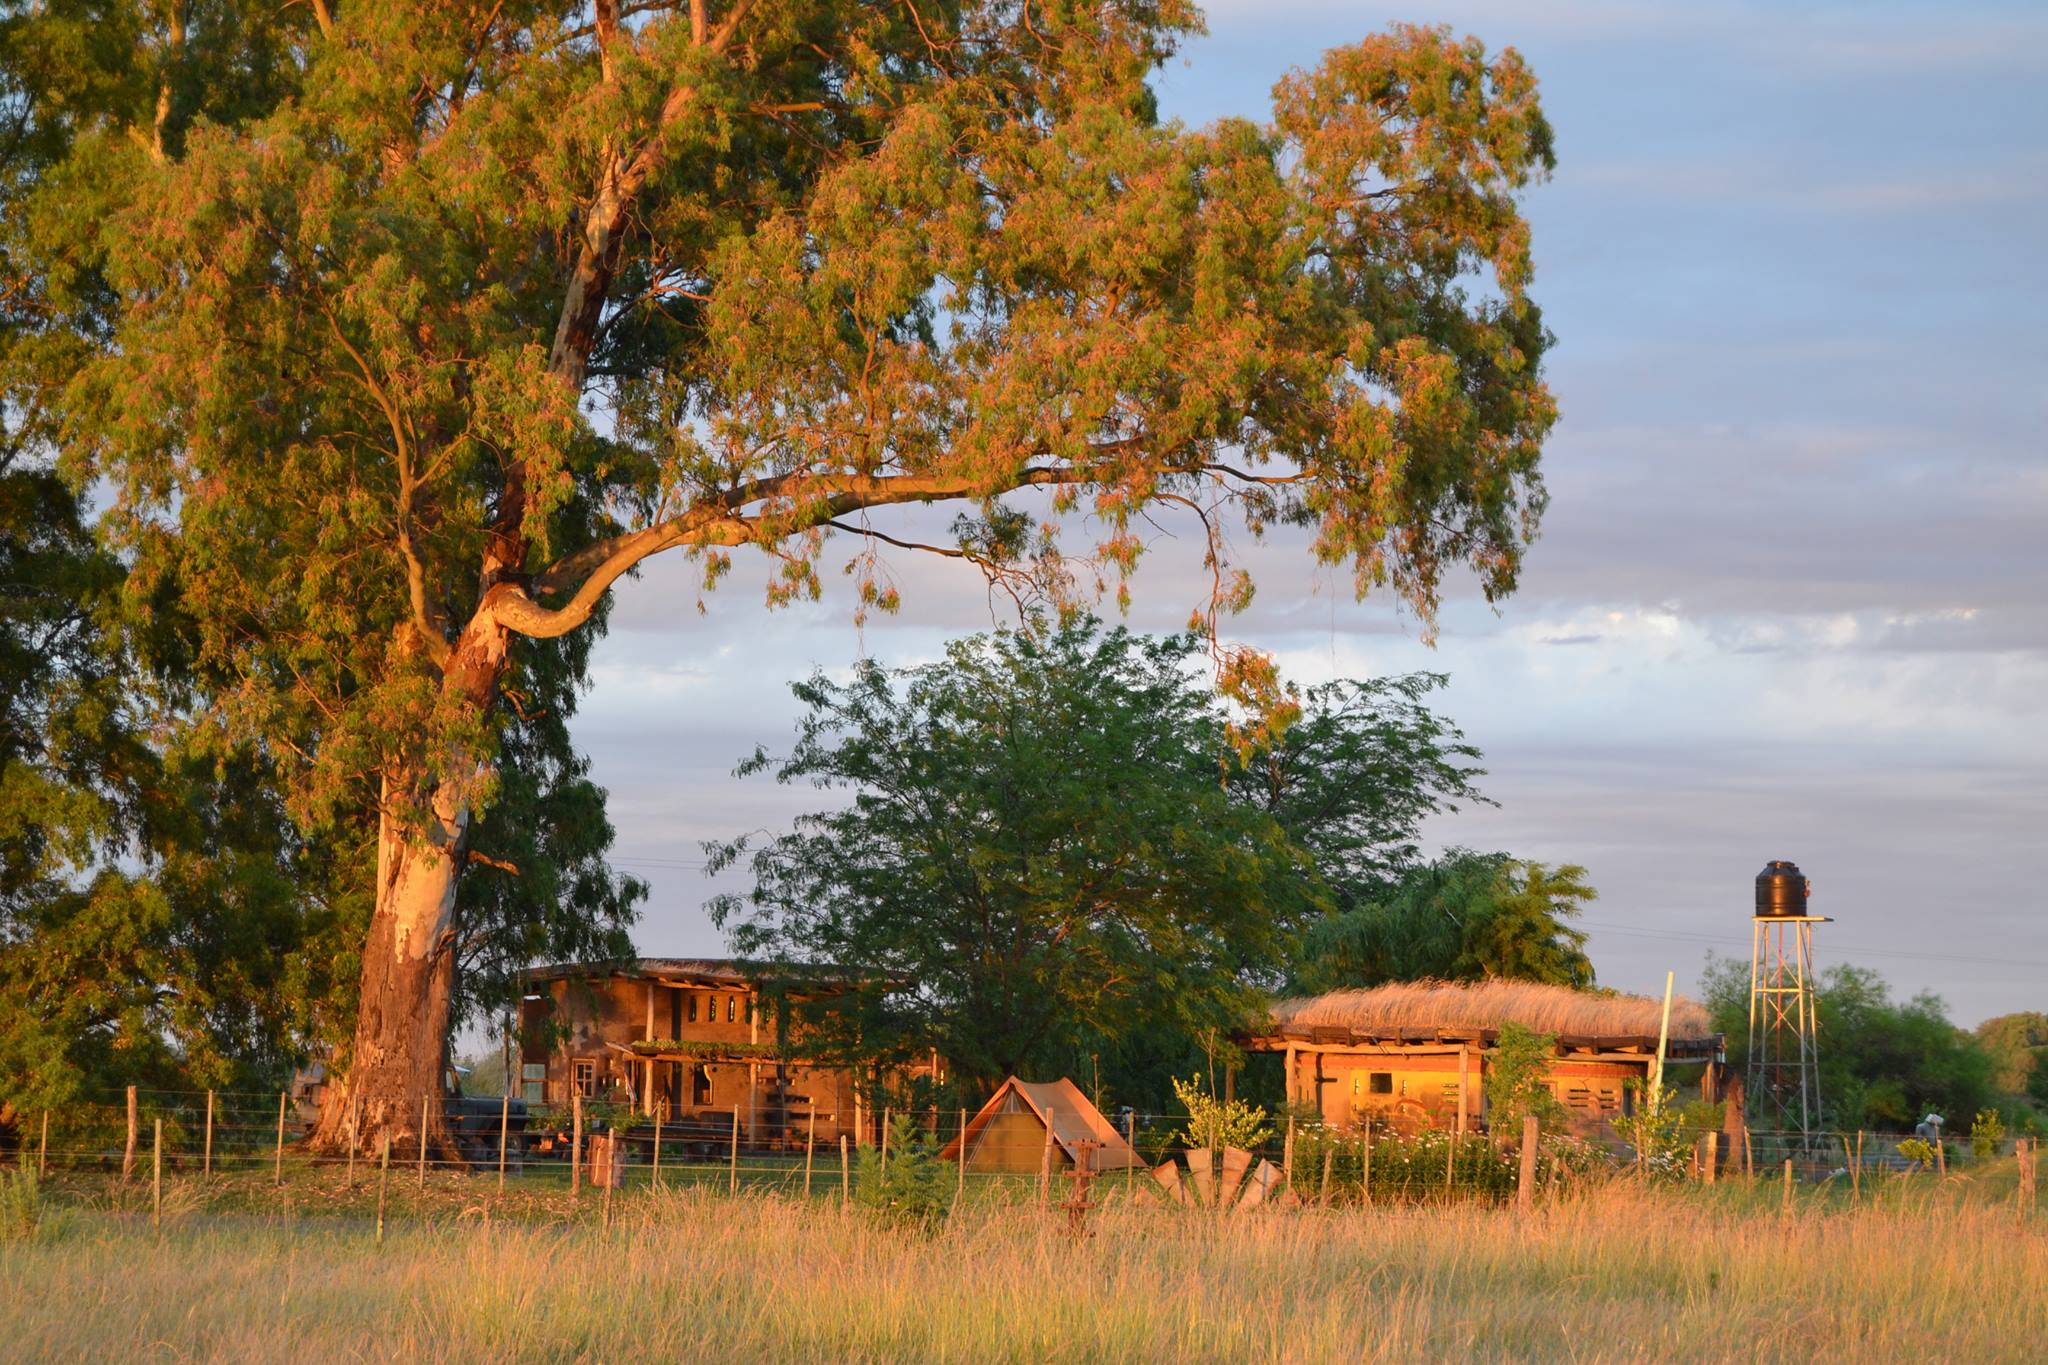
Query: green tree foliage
x,y
2019,1044
1036,848
1883,1062
145,910
1465,917
162,918
360,276
1354,772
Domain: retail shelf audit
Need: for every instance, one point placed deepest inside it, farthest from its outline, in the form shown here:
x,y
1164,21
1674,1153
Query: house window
x,y
533,1077
732,1008
700,1085
1380,1083
693,1007
675,1014
586,1077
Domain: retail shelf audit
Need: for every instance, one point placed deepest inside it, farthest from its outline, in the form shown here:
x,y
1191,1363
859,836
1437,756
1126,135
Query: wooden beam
x,y
1464,1068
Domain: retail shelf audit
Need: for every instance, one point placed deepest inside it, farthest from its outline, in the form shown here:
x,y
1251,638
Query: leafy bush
x,y
1216,1123
1919,1152
915,1188
1987,1130
1517,1084
1664,1134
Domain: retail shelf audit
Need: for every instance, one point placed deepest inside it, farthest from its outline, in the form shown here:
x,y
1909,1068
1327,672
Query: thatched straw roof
x,y
1486,1005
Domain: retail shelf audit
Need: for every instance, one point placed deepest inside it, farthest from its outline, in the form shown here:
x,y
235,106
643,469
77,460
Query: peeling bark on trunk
x,y
407,977
408,970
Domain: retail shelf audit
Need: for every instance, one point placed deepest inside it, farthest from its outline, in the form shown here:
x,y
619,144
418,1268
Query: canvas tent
x,y
1009,1132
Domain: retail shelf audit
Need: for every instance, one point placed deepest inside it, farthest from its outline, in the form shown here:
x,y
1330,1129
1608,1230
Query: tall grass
x,y
1624,1273
21,1203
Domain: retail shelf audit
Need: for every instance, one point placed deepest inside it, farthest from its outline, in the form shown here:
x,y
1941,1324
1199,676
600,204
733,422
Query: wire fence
x,y
237,1136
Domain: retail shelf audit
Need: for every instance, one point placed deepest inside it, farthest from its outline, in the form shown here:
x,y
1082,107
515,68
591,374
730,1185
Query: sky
x,y
1790,599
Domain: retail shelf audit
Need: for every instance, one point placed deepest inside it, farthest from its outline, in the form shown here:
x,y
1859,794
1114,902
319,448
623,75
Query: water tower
x,y
1782,1089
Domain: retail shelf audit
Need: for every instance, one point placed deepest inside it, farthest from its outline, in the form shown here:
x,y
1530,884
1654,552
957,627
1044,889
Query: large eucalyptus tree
x,y
412,366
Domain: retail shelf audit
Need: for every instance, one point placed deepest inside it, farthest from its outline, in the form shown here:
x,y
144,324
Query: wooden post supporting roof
x,y
647,1065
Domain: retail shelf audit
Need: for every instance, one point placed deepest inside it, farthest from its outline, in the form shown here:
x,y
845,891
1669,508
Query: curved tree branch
x,y
813,500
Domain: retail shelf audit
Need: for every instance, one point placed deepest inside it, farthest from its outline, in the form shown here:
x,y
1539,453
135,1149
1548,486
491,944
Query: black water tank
x,y
1780,891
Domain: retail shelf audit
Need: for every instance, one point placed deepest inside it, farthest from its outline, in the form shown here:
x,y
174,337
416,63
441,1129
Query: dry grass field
x,y
1620,1273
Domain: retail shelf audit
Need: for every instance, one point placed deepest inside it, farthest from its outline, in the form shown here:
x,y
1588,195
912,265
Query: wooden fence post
x,y
733,1184
425,1101
1365,1179
960,1175
505,1135
576,1141
810,1150
1287,1155
1131,1141
206,1162
1940,1153
887,1116
1329,1155
277,1171
43,1149
128,1152
654,1176
845,1175
1748,1156
1045,1165
1713,1158
1525,1183
355,1116
1787,1207
1855,1173
612,1172
156,1179
383,1181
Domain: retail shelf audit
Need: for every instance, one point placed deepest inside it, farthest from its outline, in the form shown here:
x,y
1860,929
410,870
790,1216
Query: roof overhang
x,y
1335,1036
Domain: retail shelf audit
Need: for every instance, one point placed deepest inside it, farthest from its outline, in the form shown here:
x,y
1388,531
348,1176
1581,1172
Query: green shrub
x,y
1987,1130
1412,1169
915,1188
1665,1134
21,1204
1518,1080
1215,1123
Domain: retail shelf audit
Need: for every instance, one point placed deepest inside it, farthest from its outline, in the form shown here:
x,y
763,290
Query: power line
x,y
1852,949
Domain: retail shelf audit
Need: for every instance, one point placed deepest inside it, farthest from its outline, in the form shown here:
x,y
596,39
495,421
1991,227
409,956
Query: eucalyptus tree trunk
x,y
394,1068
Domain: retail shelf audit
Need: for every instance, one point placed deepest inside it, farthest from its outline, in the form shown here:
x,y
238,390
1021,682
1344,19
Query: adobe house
x,y
690,1039
1416,1054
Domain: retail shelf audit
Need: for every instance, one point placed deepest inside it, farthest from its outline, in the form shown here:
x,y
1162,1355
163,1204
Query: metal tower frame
x,y
1782,1087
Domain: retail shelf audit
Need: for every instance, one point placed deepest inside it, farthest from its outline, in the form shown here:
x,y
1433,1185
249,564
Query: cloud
x,y
1788,600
